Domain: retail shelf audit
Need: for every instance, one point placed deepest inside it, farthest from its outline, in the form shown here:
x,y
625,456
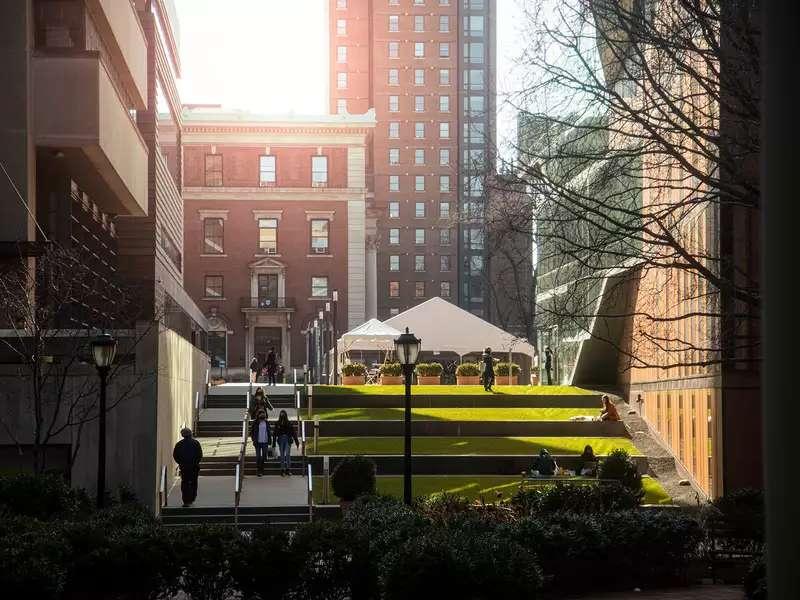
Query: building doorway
x,y
265,338
268,291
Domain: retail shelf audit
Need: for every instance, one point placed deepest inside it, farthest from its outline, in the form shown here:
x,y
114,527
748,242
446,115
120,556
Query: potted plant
x,y
429,373
391,374
354,374
506,373
468,374
354,476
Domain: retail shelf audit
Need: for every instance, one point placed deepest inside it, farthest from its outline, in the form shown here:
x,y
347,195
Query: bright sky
x,y
271,56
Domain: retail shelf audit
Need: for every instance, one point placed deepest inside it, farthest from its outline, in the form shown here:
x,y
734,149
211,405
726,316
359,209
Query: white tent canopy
x,y
372,335
444,327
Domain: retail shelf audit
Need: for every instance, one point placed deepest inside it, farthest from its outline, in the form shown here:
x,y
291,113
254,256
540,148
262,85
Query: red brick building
x,y
275,221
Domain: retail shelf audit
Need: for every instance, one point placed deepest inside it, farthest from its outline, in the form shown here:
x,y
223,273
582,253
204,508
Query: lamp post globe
x,y
104,349
407,348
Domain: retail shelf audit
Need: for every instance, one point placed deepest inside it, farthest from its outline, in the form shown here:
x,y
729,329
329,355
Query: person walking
x,y
271,365
258,403
188,453
548,364
261,436
488,370
283,435
254,369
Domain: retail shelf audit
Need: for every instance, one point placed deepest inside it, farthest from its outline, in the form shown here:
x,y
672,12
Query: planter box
x,y
429,379
506,380
468,379
353,379
391,380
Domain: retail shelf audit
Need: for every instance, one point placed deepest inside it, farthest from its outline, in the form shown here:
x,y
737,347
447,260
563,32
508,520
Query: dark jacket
x,y
254,432
545,464
488,365
287,429
188,453
548,359
254,365
272,363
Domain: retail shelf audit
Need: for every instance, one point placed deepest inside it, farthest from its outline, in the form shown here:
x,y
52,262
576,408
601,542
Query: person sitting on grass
x,y
587,465
544,464
609,410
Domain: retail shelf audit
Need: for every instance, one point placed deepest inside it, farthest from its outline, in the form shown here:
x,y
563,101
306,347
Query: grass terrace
x,y
474,487
455,446
452,414
450,390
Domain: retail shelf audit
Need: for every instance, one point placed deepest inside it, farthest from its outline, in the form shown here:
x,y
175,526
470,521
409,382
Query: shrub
x,y
618,465
429,369
468,370
503,368
354,476
755,581
576,498
442,505
743,514
383,522
264,567
355,369
391,369
203,554
32,559
42,496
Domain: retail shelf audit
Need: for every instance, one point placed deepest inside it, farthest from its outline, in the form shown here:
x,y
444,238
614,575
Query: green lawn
x,y
486,445
472,487
453,414
449,390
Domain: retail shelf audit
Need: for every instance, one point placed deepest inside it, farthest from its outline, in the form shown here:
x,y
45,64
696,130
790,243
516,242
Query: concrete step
x,y
286,517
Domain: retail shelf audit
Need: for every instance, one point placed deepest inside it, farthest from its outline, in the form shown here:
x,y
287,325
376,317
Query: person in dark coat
x,y
262,437
259,403
544,464
254,369
283,435
271,365
587,464
188,453
488,369
548,364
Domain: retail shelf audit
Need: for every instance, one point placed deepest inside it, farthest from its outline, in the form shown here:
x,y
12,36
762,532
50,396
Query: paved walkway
x,y
256,491
702,592
236,414
230,389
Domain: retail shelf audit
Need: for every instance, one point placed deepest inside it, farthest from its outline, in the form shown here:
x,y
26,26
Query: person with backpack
x,y
283,435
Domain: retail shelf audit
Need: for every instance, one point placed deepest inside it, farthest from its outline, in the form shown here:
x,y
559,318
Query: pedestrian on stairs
x,y
254,369
188,453
283,435
271,365
261,436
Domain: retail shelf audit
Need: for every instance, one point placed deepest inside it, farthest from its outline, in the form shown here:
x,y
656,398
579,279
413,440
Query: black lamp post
x,y
104,347
335,301
407,348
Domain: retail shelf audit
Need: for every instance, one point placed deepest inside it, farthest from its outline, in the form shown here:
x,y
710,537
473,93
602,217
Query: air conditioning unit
x,y
320,250
272,250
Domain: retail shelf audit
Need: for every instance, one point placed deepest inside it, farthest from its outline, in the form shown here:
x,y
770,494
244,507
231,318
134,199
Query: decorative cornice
x,y
267,214
298,194
320,214
207,213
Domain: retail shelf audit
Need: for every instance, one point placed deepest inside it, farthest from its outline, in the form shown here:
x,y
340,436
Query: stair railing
x,y
237,494
162,488
208,389
303,441
310,493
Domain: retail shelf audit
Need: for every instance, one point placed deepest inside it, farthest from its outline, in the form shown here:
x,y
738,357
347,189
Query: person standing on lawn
x,y
261,436
271,365
188,453
488,370
283,435
548,364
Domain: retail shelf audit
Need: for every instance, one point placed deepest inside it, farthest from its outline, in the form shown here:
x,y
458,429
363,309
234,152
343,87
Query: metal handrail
x,y
303,443
163,499
237,493
310,493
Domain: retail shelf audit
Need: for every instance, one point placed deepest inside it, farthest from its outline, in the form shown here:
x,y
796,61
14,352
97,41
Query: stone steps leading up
x,y
283,517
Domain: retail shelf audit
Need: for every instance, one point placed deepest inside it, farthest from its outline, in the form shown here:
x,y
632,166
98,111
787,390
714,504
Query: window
x,y
341,27
419,76
444,2
419,130
419,2
341,81
419,23
394,262
268,235
319,236
394,77
419,183
341,106
419,210
394,183
473,186
444,24
394,312
214,287
444,237
473,4
319,287
475,265
394,23
419,263
341,54
474,133
214,170
473,79
444,210
394,289
394,210
444,103
444,183
444,131
444,289
419,156
419,103
394,236
444,156
474,238
444,263
394,130
419,49
394,156
266,170
444,50
394,49
419,237
475,158
419,289
341,4
319,171
444,76
213,236
394,103
473,26
474,106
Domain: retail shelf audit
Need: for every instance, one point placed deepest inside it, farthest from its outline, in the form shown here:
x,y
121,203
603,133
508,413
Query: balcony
x,y
81,118
268,304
